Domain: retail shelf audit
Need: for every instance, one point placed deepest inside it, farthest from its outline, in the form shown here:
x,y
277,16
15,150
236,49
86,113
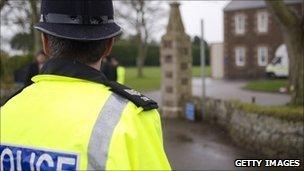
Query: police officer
x,y
72,117
121,74
113,70
109,68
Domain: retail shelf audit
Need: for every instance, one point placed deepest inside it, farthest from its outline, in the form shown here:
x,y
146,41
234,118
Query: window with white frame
x,y
262,22
262,56
239,23
240,55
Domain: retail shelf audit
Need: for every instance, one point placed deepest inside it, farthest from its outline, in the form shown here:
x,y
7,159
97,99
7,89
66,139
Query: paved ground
x,y
228,90
223,89
201,146
198,146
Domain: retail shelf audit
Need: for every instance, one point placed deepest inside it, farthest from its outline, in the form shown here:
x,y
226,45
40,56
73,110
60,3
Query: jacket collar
x,y
74,69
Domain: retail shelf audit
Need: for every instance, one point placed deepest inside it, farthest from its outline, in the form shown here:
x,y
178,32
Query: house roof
x,y
251,4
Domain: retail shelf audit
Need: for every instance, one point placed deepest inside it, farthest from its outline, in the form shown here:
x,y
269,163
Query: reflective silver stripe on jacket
x,y
107,120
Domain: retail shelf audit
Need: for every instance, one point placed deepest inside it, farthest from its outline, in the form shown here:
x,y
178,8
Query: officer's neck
x,y
96,65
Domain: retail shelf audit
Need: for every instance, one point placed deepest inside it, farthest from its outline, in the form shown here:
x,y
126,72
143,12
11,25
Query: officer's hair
x,y
87,52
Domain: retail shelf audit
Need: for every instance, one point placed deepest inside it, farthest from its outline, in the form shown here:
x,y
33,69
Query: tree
x,y
2,3
196,43
22,41
34,18
196,40
292,26
22,15
141,16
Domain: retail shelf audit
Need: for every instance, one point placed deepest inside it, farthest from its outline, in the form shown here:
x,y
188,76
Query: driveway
x,y
230,90
201,146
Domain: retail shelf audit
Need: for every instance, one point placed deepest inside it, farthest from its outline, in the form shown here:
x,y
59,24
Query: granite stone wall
x,y
271,136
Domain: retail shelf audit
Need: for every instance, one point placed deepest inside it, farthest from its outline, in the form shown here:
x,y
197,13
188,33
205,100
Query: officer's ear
x,y
45,44
108,47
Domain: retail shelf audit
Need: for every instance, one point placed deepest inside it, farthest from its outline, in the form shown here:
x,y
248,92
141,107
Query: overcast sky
x,y
192,12
212,14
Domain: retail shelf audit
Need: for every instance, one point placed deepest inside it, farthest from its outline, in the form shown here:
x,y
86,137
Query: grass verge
x,y
266,85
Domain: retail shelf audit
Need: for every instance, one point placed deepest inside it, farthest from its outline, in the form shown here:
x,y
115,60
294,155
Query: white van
x,y
278,67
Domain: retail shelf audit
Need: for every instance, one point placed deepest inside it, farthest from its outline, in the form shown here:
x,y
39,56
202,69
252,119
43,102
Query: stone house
x,y
251,38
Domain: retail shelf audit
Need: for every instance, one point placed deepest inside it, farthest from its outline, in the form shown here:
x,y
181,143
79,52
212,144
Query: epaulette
x,y
134,96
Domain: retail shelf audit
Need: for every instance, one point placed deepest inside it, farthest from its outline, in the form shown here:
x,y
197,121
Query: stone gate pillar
x,y
176,64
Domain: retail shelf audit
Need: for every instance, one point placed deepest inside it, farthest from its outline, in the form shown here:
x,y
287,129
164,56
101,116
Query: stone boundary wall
x,y
267,135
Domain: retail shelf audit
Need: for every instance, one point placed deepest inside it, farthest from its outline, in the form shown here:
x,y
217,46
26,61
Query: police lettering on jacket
x,y
21,158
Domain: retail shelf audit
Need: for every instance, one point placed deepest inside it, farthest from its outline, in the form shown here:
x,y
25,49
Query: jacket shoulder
x,y
134,96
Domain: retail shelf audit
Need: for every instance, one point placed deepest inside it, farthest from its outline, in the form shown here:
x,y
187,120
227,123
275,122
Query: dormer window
x,y
239,21
262,25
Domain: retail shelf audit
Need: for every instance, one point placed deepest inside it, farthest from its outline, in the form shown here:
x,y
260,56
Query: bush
x,y
291,113
3,59
10,64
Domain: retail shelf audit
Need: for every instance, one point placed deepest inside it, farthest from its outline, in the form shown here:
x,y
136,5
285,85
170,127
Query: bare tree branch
x,y
21,15
142,17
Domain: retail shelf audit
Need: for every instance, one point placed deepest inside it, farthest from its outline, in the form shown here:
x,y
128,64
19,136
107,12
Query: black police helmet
x,y
84,20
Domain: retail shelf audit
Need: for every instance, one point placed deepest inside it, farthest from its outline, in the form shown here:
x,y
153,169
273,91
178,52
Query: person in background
x,y
120,70
109,69
35,67
113,70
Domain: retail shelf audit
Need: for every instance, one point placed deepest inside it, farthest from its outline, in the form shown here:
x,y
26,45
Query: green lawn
x,y
266,85
196,71
152,78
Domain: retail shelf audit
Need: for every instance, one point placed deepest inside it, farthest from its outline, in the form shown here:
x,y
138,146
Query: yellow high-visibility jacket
x,y
65,123
121,74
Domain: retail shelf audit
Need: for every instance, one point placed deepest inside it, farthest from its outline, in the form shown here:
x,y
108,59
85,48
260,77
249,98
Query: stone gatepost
x,y
176,64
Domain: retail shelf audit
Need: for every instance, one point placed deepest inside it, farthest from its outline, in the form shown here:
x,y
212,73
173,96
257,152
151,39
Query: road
x,y
200,146
230,90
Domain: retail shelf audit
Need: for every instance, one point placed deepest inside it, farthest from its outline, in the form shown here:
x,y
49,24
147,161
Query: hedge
x,y
10,64
126,53
291,113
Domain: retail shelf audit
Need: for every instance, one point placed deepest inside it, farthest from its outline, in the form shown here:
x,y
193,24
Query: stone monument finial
x,y
175,20
175,3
